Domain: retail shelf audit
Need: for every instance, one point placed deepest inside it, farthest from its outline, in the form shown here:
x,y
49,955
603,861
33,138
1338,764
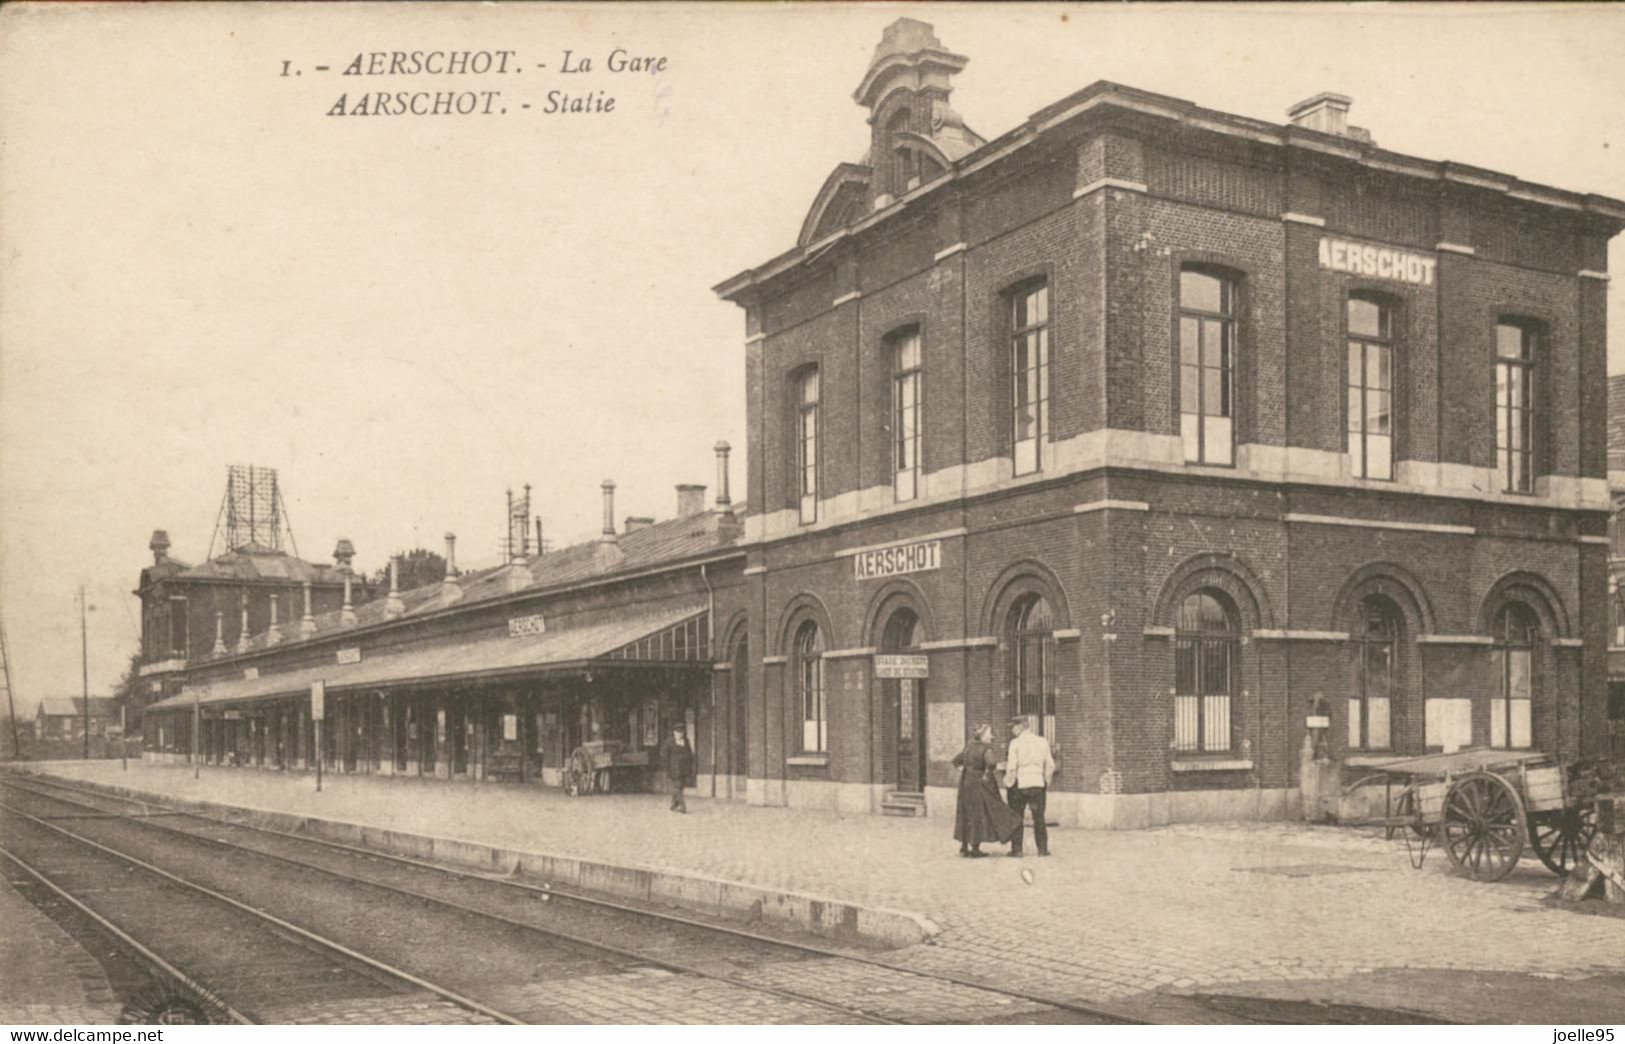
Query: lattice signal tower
x,y
252,511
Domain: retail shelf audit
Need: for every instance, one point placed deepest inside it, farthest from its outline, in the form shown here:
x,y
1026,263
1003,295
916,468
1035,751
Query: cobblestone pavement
x,y
46,977
413,1009
1112,915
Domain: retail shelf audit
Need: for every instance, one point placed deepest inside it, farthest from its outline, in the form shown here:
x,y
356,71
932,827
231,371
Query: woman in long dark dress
x,y
980,813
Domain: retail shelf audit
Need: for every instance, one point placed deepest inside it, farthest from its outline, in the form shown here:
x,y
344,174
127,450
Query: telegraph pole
x,y
84,664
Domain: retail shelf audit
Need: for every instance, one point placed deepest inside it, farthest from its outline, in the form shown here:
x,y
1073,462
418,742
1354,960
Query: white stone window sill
x,y
1214,765
808,759
1360,760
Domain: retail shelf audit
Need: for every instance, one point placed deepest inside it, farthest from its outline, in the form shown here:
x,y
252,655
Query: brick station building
x,y
1143,421
1149,422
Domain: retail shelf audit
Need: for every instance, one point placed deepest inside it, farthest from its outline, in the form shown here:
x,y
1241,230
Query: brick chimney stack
x,y
690,500
724,501
608,534
393,606
1325,112
159,546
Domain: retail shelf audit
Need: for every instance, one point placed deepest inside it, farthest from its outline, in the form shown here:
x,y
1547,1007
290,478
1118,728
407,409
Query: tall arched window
x,y
1032,662
908,415
809,667
1206,662
1029,375
1516,344
1207,366
1371,702
1512,670
807,402
1371,388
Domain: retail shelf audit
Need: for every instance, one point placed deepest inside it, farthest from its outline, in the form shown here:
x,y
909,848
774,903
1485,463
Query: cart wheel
x,y
1407,805
1483,826
1561,838
578,775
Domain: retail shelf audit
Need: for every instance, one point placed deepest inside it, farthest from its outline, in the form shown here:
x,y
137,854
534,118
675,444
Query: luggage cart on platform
x,y
1483,806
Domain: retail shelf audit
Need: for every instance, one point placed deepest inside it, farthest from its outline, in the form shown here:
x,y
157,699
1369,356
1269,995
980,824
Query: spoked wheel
x,y
578,775
1561,838
1483,826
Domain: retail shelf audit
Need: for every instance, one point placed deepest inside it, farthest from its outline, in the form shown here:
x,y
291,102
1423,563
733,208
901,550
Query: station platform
x,y
47,978
1330,914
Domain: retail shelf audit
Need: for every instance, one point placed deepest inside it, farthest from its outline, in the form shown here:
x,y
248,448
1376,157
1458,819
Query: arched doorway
x,y
905,703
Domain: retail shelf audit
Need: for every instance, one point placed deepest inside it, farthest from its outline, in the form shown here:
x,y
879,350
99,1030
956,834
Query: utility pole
x,y
84,664
11,703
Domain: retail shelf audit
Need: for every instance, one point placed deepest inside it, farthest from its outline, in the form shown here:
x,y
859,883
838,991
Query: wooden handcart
x,y
602,766
1483,806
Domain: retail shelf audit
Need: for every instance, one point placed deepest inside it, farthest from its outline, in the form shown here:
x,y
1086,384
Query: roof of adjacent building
x,y
74,707
1179,112
590,643
1616,422
253,562
664,543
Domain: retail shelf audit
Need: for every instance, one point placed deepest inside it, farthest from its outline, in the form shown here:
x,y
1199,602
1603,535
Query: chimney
x,y
219,632
724,502
242,633
450,590
342,554
1326,112
608,534
159,546
690,500
635,523
347,610
273,633
393,606
307,625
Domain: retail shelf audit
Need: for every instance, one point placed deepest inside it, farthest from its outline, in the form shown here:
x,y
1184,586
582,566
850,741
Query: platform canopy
x,y
659,634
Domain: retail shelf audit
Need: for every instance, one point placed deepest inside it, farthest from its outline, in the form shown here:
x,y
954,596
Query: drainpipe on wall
x,y
711,630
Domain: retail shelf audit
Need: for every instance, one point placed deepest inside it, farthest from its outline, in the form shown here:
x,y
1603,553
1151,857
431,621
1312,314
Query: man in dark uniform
x,y
677,758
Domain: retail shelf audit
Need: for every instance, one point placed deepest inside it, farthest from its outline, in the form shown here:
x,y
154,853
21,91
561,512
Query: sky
x,y
409,315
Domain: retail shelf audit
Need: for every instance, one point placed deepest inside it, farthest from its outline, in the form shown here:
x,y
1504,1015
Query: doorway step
x,y
902,803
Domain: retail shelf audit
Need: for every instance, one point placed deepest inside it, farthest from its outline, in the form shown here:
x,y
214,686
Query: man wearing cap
x,y
1028,767
677,758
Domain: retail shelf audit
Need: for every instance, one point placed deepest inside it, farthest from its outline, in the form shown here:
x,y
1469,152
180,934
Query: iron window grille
x,y
1032,663
1512,666
1206,660
809,661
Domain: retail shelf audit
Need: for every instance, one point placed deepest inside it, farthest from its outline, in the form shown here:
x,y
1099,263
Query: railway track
x,y
236,963
816,982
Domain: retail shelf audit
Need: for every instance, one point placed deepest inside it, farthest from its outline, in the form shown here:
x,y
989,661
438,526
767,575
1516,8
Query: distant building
x,y
63,717
254,587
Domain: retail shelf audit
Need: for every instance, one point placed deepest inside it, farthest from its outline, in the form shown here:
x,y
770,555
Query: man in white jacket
x,y
1028,768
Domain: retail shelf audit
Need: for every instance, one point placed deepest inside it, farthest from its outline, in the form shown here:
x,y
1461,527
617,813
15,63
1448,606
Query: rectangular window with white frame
x,y
1516,346
1207,366
1370,388
907,412
1029,375
807,406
